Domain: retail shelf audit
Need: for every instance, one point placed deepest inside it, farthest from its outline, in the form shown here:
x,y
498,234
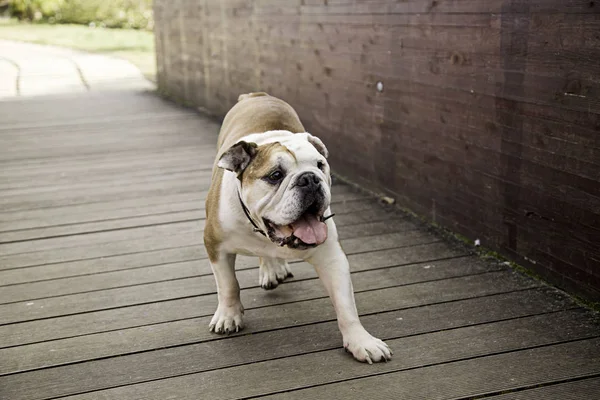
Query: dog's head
x,y
285,184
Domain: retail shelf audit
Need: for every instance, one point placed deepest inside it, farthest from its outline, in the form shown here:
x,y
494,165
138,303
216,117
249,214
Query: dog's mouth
x,y
307,231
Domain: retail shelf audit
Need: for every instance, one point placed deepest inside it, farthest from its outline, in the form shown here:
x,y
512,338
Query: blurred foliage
x,y
129,14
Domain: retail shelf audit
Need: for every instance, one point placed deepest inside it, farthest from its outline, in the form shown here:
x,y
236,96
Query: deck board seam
x,y
185,261
532,386
224,337
175,234
203,276
483,296
395,217
256,307
458,359
415,368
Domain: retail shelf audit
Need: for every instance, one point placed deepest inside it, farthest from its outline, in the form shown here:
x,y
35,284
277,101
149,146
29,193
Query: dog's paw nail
x,y
227,320
366,348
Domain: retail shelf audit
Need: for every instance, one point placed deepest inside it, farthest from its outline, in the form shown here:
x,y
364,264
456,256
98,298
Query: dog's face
x,y
285,183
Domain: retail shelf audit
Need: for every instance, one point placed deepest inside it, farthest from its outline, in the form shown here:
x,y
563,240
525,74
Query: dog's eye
x,y
321,165
275,177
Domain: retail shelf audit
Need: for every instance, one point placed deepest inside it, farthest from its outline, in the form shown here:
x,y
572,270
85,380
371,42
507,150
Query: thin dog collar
x,y
256,228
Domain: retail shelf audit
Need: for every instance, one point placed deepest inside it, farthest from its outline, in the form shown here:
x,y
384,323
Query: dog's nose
x,y
308,179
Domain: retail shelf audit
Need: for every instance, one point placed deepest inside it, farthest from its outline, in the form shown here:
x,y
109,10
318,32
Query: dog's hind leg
x,y
272,272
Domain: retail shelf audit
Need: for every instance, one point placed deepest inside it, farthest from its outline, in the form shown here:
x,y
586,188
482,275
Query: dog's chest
x,y
254,244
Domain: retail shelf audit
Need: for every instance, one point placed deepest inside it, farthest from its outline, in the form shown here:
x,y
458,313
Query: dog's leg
x,y
331,265
272,272
228,317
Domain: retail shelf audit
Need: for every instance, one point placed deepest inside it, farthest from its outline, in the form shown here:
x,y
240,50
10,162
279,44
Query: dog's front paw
x,y
366,348
227,319
271,274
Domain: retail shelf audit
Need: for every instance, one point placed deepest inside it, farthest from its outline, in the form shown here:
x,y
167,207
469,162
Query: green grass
x,y
136,46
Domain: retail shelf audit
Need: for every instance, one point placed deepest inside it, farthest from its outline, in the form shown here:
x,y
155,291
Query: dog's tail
x,y
249,95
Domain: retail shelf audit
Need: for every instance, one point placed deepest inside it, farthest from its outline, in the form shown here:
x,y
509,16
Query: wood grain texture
x,y
443,347
411,294
106,292
185,287
487,123
188,331
580,389
200,267
476,377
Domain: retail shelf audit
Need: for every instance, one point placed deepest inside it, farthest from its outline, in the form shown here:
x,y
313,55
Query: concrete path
x,y
30,69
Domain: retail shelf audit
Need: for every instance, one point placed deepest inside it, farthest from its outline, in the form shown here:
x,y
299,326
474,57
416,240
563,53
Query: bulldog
x,y
270,197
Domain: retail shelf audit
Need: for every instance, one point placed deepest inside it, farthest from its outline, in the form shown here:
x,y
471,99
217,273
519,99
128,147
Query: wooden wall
x,y
488,122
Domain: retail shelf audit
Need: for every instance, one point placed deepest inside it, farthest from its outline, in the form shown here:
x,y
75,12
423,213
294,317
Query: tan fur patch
x,y
262,163
255,113
212,230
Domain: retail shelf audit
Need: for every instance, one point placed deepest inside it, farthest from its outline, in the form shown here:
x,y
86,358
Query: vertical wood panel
x,y
488,123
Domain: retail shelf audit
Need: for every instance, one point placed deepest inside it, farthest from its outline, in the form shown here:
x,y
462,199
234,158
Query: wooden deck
x,y
106,292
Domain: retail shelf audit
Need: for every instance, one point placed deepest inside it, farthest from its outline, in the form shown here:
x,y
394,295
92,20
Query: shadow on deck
x,y
106,292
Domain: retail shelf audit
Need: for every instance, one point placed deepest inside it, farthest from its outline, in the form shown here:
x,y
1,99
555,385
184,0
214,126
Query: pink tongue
x,y
310,230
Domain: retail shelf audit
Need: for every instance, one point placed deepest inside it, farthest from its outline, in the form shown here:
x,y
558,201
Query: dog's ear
x,y
318,144
238,157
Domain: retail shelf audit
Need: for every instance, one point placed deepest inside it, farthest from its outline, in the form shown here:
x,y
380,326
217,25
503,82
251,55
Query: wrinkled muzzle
x,y
304,225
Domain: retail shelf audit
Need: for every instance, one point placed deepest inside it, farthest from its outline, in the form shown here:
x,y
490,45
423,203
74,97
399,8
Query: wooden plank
x,y
192,211
436,69
47,132
374,228
22,174
92,109
49,215
415,321
180,288
341,194
583,188
177,238
92,182
99,160
169,271
161,229
86,222
119,186
442,347
127,208
109,194
65,236
471,378
469,6
166,143
580,389
156,257
110,220
50,145
408,295
52,256
149,258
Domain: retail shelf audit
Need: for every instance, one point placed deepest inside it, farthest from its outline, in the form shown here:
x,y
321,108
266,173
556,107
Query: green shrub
x,y
34,9
136,14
